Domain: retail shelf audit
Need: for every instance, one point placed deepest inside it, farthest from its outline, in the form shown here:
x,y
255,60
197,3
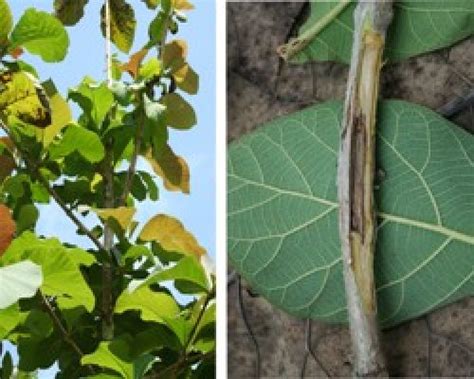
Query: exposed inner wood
x,y
362,169
356,171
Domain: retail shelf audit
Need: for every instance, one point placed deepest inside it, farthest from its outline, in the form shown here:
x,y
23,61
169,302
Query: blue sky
x,y
197,146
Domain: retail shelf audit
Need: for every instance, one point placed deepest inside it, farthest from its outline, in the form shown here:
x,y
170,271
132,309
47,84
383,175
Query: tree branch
x,y
209,296
140,130
107,267
58,324
172,370
356,169
34,170
295,45
133,161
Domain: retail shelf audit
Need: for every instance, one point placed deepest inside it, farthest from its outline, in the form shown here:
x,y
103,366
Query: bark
x,y
355,185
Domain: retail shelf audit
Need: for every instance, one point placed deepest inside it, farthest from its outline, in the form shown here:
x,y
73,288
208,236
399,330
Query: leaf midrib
x,y
448,232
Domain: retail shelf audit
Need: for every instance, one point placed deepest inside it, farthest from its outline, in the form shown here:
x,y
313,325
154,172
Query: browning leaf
x,y
173,169
134,63
7,228
122,24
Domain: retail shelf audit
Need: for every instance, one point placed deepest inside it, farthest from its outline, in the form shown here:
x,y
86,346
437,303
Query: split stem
x,y
356,170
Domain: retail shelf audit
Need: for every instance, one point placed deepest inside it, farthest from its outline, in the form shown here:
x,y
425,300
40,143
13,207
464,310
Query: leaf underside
x,y
283,212
418,27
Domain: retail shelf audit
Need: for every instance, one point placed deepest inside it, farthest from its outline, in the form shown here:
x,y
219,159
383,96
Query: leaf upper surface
x,y
6,21
283,212
172,235
417,27
60,266
41,34
18,280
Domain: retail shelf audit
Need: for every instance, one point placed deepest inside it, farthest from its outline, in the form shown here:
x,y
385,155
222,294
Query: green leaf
x,y
10,318
418,27
27,217
283,212
153,306
94,99
62,277
205,339
6,22
152,188
79,139
122,24
142,364
188,269
150,69
6,369
154,337
69,12
157,29
17,281
41,34
112,355
179,114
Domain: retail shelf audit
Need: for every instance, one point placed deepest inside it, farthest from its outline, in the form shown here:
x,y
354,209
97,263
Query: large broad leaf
x,y
153,306
41,34
77,138
69,11
122,24
62,277
188,269
95,99
283,212
418,27
6,22
10,318
17,281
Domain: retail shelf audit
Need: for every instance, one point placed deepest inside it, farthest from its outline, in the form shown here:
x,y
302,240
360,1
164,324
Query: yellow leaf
x,y
21,96
171,235
7,228
186,79
60,114
123,215
173,169
174,54
182,5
